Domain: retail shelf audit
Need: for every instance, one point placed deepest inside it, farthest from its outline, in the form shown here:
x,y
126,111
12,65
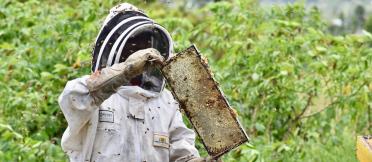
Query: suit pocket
x,y
108,142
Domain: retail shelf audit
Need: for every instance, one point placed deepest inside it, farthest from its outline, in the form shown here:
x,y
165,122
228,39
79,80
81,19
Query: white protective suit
x,y
133,125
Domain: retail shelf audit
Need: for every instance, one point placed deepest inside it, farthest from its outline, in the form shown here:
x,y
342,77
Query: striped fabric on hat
x,y
119,28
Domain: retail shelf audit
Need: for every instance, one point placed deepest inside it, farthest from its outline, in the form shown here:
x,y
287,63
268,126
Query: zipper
x,y
139,143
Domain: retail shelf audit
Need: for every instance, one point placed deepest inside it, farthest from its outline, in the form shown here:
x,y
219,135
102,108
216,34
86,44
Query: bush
x,y
301,93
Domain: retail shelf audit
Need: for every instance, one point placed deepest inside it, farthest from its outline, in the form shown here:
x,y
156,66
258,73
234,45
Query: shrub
x,y
301,93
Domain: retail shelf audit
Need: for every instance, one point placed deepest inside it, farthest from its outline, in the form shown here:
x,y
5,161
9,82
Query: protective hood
x,y
126,30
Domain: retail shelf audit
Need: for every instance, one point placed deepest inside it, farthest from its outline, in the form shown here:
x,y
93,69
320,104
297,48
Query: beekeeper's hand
x,y
102,84
205,159
139,59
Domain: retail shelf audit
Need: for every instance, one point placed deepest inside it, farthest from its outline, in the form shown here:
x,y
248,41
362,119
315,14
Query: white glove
x,y
205,159
102,84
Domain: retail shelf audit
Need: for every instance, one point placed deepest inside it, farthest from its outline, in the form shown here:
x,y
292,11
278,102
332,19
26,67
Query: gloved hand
x,y
102,84
205,159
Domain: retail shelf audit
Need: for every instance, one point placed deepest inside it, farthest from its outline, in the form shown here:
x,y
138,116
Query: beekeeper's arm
x,y
82,96
182,140
182,147
182,143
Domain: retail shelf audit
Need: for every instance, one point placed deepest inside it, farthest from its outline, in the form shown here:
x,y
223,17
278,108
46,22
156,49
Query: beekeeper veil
x,y
125,31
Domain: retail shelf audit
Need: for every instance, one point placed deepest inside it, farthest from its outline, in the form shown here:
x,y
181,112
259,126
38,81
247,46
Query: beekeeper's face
x,y
125,31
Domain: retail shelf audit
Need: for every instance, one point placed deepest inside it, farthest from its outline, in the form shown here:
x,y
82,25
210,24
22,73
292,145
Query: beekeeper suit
x,y
122,112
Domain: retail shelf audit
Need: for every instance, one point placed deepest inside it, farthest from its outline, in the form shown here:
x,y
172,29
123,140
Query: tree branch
x,y
298,117
308,103
334,102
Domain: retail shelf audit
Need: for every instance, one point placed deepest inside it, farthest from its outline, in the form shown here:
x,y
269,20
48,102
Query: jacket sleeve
x,y
77,106
182,140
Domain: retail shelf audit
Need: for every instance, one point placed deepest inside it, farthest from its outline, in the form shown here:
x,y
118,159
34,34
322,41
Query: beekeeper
x,y
122,112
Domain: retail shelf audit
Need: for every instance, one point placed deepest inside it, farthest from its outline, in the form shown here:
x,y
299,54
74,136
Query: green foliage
x,y
301,93
368,25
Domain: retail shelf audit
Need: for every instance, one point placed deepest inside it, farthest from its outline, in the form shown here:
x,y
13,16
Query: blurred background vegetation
x,y
301,84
